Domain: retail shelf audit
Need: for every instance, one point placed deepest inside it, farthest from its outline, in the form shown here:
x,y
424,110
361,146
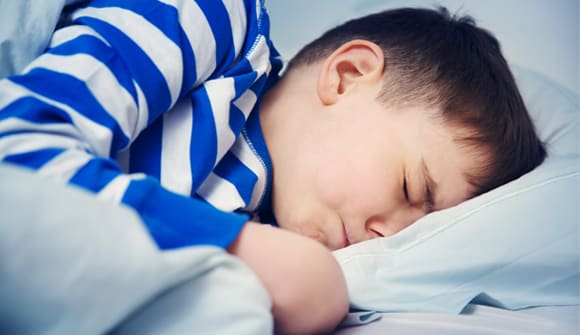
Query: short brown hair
x,y
447,61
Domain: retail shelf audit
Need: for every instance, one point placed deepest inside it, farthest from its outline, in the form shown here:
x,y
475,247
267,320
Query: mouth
x,y
346,241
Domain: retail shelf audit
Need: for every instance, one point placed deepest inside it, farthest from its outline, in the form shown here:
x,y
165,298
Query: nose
x,y
388,225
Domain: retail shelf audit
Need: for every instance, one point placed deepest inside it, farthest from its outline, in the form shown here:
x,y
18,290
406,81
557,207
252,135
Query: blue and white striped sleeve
x,y
117,67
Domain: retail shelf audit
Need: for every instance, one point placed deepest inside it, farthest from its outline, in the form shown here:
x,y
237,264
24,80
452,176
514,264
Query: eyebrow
x,y
430,188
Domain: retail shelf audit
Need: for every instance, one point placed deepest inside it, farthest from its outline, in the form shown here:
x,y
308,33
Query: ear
x,y
357,61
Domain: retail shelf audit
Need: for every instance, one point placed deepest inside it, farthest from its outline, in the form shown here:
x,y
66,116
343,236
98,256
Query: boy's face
x,y
362,171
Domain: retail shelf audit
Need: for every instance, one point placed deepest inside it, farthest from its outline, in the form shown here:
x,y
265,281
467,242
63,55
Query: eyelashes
x,y
405,189
427,201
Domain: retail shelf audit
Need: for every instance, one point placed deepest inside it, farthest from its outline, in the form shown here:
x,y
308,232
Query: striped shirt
x,y
152,104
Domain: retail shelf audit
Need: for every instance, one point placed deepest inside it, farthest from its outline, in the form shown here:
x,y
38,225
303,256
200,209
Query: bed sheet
x,y
70,264
476,320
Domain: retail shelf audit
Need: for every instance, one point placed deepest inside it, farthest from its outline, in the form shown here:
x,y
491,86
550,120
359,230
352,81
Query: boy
x,y
157,105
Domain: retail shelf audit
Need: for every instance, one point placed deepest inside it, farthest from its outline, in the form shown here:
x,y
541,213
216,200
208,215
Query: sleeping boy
x,y
176,109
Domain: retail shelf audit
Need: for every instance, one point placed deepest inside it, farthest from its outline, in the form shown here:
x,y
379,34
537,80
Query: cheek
x,y
356,183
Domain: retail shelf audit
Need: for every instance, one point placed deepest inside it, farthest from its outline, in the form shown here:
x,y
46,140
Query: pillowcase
x,y
513,247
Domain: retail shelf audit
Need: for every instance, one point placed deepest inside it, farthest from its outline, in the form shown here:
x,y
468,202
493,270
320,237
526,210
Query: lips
x,y
346,241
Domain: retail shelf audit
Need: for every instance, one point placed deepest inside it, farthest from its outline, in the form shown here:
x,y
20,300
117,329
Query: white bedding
x,y
73,265
476,320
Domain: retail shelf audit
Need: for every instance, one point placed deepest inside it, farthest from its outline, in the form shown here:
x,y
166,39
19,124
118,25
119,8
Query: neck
x,y
269,118
288,117
286,109
277,117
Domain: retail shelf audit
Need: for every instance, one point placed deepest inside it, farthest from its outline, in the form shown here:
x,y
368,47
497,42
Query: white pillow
x,y
514,247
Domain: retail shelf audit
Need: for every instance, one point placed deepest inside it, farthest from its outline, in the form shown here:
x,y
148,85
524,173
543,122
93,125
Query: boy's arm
x,y
307,287
106,78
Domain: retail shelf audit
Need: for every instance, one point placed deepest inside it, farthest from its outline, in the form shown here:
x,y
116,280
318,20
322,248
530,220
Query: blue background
x,y
541,35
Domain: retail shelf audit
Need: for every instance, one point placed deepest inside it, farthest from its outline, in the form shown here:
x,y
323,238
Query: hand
x,y
305,282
